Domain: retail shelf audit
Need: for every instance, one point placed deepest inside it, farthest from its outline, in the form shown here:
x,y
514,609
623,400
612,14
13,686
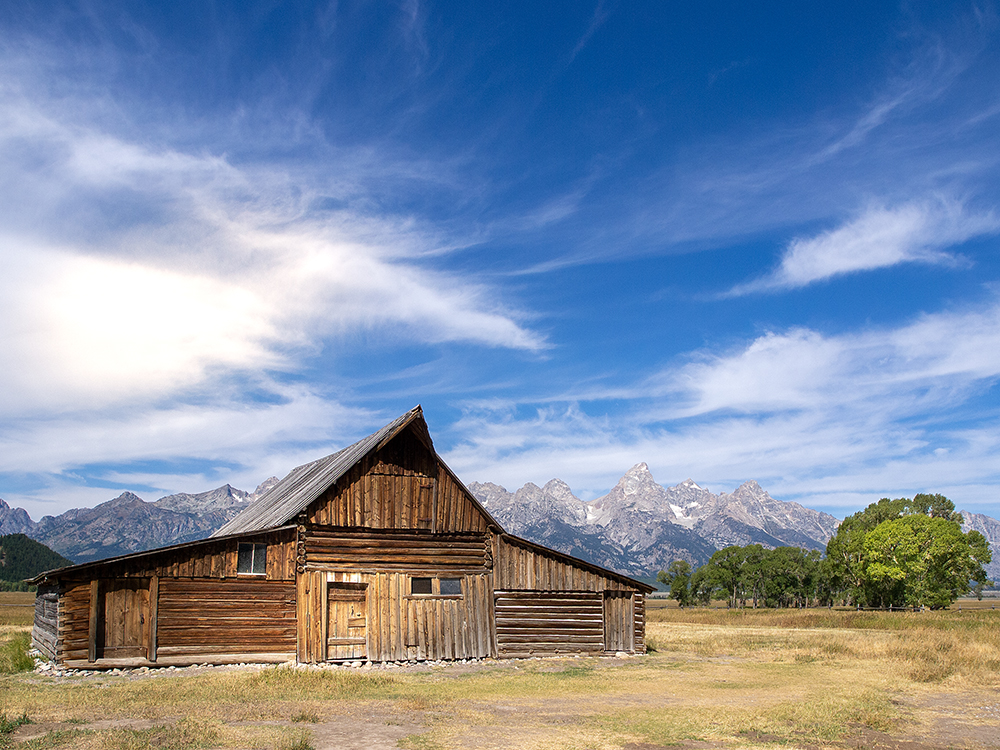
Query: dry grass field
x,y
717,679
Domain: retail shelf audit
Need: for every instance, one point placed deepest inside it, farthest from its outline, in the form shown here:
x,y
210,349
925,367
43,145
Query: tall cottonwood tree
x,y
905,552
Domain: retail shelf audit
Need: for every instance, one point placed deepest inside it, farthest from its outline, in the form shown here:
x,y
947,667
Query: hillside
x,y
22,557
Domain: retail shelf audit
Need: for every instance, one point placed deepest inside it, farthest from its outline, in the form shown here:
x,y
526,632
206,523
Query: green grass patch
x,y
14,654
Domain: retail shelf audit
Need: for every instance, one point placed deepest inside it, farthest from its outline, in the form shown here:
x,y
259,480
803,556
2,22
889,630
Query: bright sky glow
x,y
732,241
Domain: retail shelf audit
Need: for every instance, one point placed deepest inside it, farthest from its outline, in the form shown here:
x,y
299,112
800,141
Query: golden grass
x,y
926,646
17,611
744,679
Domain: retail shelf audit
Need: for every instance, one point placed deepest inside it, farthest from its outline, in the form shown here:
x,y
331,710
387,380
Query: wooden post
x,y
154,607
325,615
92,632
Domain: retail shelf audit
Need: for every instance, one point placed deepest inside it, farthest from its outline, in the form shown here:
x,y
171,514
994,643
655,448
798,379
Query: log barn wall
x,y
390,558
549,603
208,619
640,622
534,623
45,633
521,565
192,603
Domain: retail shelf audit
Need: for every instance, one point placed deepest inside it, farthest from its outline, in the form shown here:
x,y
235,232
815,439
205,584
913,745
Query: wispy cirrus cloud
x,y
879,238
136,271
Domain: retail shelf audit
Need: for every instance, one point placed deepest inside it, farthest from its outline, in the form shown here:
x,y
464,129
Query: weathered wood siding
x,y
74,622
537,572
401,486
520,566
212,617
619,621
45,633
207,559
640,623
415,552
538,623
210,609
400,626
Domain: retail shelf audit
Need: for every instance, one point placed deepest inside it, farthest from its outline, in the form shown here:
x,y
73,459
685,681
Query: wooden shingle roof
x,y
304,484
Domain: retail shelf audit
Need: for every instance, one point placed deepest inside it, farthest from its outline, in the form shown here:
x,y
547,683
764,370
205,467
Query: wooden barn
x,y
377,552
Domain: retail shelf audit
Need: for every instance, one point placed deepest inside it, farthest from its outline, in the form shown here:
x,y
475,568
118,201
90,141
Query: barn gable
x,y
392,479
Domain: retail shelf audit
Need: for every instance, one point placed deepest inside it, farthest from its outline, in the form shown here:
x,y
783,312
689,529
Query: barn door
x,y
123,624
619,621
347,621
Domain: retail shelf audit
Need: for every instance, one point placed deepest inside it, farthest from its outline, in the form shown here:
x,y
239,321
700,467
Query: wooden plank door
x,y
123,611
619,621
347,621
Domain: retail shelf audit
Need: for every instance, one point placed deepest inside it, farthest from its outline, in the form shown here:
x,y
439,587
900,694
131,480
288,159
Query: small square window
x,y
420,586
251,559
451,587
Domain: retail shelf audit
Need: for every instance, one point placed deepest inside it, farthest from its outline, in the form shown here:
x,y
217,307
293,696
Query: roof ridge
x,y
303,484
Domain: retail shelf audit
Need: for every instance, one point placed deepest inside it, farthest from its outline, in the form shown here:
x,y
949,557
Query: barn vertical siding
x,y
400,486
400,625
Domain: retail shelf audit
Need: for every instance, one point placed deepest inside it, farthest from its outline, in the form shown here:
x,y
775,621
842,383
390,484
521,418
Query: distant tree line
x,y
894,553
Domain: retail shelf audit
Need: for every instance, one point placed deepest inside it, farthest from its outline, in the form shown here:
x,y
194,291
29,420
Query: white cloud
x,y
879,238
832,421
136,272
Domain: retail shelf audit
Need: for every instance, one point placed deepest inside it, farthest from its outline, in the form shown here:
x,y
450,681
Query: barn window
x,y
451,587
251,559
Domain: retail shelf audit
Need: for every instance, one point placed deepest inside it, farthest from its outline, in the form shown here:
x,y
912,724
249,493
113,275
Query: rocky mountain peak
x,y
124,499
14,520
636,479
265,486
558,489
750,486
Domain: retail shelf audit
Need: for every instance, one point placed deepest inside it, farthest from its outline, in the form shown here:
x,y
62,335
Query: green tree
x,y
790,576
906,553
678,577
701,586
724,572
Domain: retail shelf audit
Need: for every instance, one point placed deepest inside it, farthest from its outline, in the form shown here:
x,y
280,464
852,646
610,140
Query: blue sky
x,y
733,242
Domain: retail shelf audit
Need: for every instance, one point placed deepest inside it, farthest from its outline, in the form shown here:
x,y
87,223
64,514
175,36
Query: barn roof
x,y
304,484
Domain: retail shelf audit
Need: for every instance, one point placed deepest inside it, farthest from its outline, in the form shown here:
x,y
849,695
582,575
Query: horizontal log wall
x,y
400,626
401,486
423,553
523,567
199,617
74,621
539,623
45,633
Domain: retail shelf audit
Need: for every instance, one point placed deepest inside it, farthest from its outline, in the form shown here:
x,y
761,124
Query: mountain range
x,y
638,528
130,524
